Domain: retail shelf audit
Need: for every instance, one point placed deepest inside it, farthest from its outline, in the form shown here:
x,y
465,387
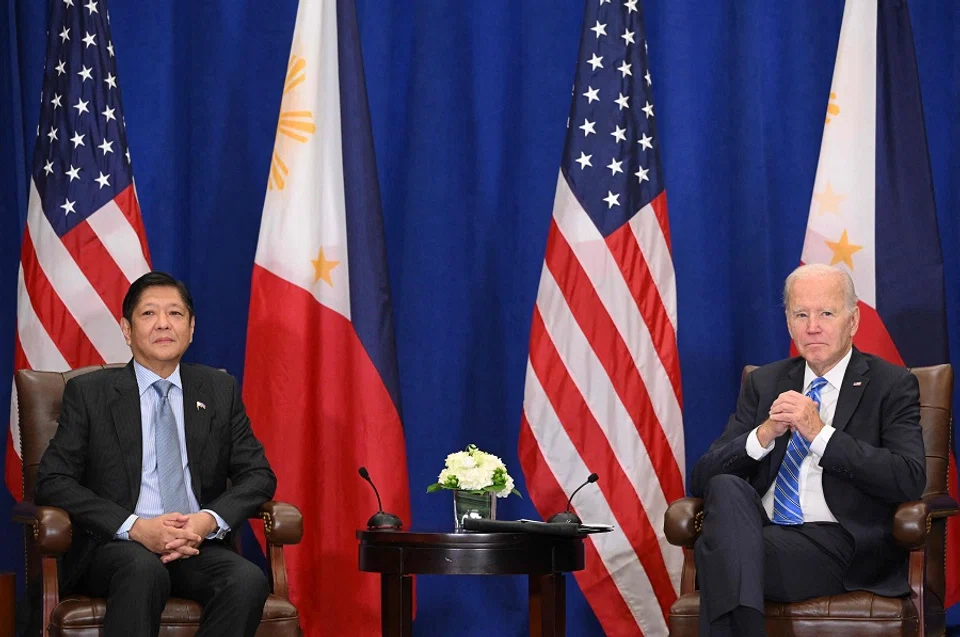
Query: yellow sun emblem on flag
x,y
297,125
832,107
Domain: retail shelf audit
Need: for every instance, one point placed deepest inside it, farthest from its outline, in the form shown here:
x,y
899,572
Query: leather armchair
x,y
919,527
48,534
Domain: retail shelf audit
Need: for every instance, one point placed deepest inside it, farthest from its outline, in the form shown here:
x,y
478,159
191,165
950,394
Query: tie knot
x,y
817,384
162,387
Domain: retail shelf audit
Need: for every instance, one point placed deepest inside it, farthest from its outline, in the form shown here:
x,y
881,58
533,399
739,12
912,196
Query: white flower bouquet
x,y
476,472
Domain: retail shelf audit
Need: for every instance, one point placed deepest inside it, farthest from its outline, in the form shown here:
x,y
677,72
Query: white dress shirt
x,y
812,502
149,503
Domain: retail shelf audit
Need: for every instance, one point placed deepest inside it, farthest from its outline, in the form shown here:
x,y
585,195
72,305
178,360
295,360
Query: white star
x,y
595,62
68,3
647,78
90,39
615,167
642,175
618,134
644,141
65,34
127,155
603,2
646,49
52,134
110,80
74,173
106,147
599,29
85,74
68,207
591,95
110,49
584,160
61,68
103,180
587,127
622,101
77,140
648,109
109,114
628,36
48,167
612,200
56,101
92,7
631,5
625,69
81,107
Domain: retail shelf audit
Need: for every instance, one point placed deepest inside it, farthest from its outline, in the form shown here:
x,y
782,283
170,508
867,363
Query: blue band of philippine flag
x,y
873,210
320,377
84,242
603,386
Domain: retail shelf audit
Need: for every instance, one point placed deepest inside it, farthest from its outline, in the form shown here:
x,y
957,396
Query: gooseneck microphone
x,y
380,519
567,516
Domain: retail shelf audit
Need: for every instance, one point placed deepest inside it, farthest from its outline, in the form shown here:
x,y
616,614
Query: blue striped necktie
x,y
173,488
786,494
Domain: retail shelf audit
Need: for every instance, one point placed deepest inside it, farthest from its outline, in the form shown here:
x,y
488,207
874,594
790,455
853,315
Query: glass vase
x,y
474,506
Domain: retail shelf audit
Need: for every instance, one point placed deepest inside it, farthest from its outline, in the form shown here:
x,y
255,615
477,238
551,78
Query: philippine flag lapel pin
x,y
200,405
856,383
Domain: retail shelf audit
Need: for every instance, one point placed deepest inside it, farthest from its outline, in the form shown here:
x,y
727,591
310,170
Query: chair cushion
x,y
79,611
857,613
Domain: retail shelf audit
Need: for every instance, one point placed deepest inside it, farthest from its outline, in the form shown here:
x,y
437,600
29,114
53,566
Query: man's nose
x,y
813,325
163,321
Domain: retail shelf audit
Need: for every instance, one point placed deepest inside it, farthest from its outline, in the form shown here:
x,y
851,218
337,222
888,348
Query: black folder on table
x,y
564,529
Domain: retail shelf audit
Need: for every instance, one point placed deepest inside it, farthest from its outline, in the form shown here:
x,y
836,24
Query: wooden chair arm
x,y
912,521
282,524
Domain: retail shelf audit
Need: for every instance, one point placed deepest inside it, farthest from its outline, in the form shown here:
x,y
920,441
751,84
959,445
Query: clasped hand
x,y
173,536
792,411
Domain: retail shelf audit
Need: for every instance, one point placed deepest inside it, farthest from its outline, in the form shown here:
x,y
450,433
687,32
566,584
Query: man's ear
x,y
193,326
126,328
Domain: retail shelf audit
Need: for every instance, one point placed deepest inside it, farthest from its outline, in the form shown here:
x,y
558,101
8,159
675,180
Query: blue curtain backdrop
x,y
469,103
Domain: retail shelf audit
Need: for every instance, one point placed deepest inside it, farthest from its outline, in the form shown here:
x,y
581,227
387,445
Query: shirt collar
x,y
834,377
146,378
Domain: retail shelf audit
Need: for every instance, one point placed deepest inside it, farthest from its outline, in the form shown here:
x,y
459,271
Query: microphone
x,y
379,520
566,517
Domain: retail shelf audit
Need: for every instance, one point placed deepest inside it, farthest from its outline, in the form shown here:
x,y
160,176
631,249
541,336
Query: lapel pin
x,y
856,383
200,405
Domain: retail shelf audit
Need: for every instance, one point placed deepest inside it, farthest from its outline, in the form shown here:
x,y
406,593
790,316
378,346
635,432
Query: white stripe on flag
x,y
72,286
618,556
39,348
615,422
649,235
15,420
120,239
604,273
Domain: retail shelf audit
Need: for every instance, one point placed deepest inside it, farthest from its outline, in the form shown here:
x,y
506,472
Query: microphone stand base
x,y
564,517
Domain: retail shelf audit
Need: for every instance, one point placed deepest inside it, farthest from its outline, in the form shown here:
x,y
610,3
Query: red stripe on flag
x,y
614,356
873,337
659,205
321,410
13,467
598,587
56,319
626,252
98,266
593,447
126,200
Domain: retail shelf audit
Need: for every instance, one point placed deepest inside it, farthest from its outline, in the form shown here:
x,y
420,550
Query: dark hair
x,y
152,280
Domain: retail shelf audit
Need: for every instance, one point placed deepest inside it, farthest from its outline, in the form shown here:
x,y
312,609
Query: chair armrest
x,y
282,523
911,522
683,521
51,526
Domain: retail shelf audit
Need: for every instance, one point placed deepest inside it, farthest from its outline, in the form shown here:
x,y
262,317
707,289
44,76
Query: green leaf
x,y
436,486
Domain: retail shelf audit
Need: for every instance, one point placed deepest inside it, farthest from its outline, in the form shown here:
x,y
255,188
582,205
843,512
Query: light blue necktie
x,y
786,494
173,489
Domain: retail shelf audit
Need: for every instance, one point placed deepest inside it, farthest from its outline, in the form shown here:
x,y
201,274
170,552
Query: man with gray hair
x,y
800,490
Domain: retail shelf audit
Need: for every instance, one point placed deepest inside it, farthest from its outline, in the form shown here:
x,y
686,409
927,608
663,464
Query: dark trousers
x,y
136,585
743,558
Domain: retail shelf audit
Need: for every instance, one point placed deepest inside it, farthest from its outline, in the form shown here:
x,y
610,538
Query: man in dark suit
x,y
141,461
800,490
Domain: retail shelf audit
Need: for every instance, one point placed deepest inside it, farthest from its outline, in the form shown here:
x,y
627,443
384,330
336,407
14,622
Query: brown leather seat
x,y
48,533
918,526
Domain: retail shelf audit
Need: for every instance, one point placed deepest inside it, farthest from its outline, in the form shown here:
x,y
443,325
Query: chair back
x,y
39,396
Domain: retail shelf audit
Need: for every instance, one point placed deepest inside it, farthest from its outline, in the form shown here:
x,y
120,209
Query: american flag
x,y
603,376
84,241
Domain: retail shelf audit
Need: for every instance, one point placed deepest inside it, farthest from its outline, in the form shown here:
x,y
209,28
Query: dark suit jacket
x,y
92,468
874,461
